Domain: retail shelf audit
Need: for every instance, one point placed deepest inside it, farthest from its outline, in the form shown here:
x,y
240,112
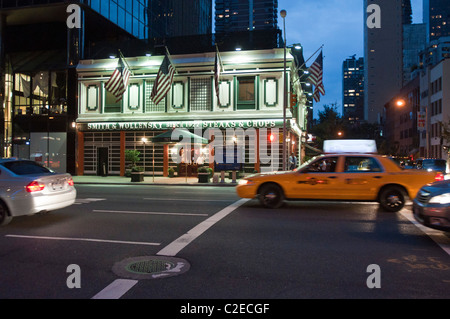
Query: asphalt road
x,y
204,243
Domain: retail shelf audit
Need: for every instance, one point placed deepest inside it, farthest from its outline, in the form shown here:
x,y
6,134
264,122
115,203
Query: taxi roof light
x,y
350,146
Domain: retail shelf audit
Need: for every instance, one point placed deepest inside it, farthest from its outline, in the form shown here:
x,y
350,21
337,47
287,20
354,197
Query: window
x,y
151,107
246,93
323,165
361,165
111,103
200,94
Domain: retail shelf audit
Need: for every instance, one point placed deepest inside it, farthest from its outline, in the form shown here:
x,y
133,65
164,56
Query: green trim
x,y
189,95
211,109
96,98
276,92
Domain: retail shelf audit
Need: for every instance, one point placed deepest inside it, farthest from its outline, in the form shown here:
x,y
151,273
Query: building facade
x,y
436,15
435,99
414,42
248,15
39,57
402,129
353,89
383,56
251,103
176,18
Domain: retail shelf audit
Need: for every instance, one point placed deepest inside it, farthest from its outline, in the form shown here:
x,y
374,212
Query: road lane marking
x,y
116,289
190,200
80,201
145,213
437,236
176,246
172,249
85,239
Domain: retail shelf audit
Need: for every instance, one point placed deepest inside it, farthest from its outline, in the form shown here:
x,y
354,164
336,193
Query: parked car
x,y
340,176
431,207
28,188
432,164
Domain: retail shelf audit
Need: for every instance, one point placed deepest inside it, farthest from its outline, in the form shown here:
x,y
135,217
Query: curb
x,y
160,184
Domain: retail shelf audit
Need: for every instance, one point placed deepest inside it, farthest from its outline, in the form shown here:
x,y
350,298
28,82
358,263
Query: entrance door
x,y
102,161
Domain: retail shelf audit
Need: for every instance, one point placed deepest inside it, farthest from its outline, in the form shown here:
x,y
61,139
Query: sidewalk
x,y
149,180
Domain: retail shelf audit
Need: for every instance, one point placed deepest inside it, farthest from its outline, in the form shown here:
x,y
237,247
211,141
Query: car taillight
x,y
70,182
439,177
34,187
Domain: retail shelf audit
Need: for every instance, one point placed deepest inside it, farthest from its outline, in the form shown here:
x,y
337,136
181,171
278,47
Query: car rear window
x,y
26,168
434,163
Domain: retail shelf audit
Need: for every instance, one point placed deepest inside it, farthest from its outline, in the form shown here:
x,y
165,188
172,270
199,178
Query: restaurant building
x,y
250,104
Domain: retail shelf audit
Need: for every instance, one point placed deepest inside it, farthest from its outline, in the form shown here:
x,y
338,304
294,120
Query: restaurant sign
x,y
166,125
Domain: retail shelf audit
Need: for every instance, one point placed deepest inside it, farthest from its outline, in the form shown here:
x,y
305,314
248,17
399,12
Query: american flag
x,y
316,77
118,82
217,76
163,81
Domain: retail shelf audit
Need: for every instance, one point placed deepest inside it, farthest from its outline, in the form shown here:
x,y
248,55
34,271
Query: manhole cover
x,y
153,267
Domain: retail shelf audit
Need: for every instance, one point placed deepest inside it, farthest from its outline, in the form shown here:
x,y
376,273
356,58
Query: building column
x,y
2,83
122,153
80,154
258,161
166,161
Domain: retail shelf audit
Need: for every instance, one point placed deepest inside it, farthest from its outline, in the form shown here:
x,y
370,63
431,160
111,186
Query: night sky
x,y
339,25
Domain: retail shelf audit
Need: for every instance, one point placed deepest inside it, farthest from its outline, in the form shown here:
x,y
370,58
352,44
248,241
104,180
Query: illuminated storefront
x,y
251,102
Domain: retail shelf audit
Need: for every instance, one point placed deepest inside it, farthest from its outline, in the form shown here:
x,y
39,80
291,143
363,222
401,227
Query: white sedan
x,y
28,188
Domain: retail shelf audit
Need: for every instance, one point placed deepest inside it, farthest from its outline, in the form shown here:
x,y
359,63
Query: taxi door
x,y
319,180
362,177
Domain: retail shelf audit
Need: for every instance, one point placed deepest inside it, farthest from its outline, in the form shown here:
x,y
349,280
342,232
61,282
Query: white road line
x,y
145,213
176,246
438,237
116,289
119,287
86,239
190,200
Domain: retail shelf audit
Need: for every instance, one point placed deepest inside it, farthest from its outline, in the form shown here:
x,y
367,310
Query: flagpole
x,y
170,59
296,69
310,57
220,58
125,60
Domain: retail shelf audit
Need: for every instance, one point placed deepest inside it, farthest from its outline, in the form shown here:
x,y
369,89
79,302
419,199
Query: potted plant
x,y
203,174
171,172
136,172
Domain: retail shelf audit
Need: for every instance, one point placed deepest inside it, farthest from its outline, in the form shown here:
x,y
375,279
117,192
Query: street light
x,y
401,103
283,14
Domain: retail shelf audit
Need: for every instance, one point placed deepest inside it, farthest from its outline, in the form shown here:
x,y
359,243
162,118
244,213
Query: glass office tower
x,y
38,58
436,15
248,15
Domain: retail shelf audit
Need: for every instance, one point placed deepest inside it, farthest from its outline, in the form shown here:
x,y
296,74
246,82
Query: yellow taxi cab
x,y
341,174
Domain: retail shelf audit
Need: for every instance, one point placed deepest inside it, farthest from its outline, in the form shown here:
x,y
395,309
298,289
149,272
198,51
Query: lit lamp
x,y
283,14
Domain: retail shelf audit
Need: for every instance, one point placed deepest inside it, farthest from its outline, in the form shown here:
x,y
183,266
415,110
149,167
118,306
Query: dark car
x,y
431,164
431,207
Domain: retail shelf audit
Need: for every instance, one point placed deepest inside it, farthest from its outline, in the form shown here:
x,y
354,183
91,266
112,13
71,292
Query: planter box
x,y
203,177
137,176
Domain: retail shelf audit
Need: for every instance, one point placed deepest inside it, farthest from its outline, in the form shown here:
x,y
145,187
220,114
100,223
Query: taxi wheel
x,y
4,216
271,196
392,199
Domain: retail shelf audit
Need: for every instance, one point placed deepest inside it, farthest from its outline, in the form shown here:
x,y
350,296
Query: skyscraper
x,y
436,15
353,89
383,56
246,15
175,18
39,52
